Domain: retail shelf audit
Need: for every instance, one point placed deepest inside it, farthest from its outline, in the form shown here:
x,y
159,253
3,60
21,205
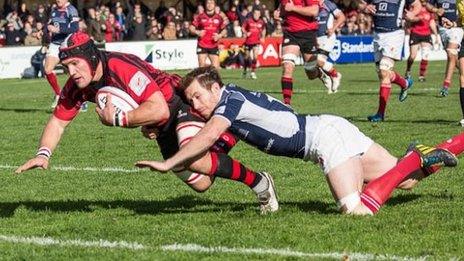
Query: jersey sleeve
x,y
311,2
332,7
137,82
73,21
196,22
230,107
69,103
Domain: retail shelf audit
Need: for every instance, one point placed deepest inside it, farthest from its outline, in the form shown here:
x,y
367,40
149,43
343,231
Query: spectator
x,y
121,18
184,31
33,37
237,29
160,13
23,13
243,15
232,14
37,61
112,29
169,32
349,28
269,20
138,30
153,34
40,14
13,36
94,25
14,19
82,26
278,30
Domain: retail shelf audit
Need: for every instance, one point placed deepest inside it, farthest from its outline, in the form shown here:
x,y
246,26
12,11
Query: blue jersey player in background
x,y
64,20
348,157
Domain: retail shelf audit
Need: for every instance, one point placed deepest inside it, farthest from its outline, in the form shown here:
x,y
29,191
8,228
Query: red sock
x,y
51,78
332,72
423,67
379,190
446,84
455,145
287,89
397,79
384,95
225,167
253,65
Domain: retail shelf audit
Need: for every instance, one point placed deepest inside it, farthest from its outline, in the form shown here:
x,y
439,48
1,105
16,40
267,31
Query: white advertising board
x,y
13,60
164,55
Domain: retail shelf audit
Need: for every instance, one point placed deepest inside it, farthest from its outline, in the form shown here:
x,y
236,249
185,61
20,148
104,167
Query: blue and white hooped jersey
x,y
263,121
326,15
67,19
389,14
450,9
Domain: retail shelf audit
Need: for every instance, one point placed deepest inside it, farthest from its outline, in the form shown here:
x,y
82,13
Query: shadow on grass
x,y
182,204
25,110
424,121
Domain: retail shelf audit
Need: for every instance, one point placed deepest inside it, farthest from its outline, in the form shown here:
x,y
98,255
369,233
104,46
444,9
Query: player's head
x,y
80,55
202,89
256,13
210,5
61,3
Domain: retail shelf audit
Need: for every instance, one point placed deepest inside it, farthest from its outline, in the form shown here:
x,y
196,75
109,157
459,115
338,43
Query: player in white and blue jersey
x,y
64,20
451,35
388,44
346,155
329,19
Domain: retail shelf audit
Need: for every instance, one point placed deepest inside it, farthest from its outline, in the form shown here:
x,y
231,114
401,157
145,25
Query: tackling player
x,y
348,158
330,18
300,37
421,28
159,106
451,36
388,44
254,30
209,27
64,20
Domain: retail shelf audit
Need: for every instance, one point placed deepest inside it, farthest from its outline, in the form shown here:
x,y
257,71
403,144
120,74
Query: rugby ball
x,y
120,99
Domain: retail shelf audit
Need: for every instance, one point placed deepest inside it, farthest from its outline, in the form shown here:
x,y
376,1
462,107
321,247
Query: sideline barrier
x,y
181,54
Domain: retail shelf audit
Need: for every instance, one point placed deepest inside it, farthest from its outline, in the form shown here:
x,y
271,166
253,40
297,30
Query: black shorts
x,y
213,51
249,47
179,112
417,39
306,40
461,50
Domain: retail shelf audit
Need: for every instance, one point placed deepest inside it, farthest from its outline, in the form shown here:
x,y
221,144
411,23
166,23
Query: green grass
x,y
155,209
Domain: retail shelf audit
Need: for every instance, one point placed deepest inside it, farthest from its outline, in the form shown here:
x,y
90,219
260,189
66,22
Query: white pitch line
x,y
48,241
45,241
90,169
283,252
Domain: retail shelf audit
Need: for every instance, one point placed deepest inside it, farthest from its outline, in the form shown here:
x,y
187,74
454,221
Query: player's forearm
x,y
193,30
196,146
52,133
339,21
148,113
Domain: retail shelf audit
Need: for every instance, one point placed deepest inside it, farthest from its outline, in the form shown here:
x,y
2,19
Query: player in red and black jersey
x,y
300,37
160,111
421,29
209,27
254,29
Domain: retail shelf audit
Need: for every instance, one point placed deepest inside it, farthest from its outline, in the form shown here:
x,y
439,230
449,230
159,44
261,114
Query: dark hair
x,y
205,76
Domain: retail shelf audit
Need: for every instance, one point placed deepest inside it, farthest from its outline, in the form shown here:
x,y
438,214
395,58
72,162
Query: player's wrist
x,y
44,152
120,119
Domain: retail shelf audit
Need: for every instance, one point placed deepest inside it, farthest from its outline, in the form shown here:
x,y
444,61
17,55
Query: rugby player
x,y
254,30
348,157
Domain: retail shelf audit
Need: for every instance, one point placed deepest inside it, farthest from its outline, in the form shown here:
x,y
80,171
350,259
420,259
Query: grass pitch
x,y
42,212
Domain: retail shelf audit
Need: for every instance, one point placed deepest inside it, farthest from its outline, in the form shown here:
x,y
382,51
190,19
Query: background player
x,y
254,30
348,158
330,19
64,20
209,26
159,106
421,28
451,36
300,37
388,45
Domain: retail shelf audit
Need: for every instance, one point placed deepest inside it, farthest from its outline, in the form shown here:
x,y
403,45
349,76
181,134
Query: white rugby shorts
x,y
388,44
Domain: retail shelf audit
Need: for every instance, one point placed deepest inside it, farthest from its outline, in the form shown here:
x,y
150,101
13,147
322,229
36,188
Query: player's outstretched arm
x,y
198,145
50,138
